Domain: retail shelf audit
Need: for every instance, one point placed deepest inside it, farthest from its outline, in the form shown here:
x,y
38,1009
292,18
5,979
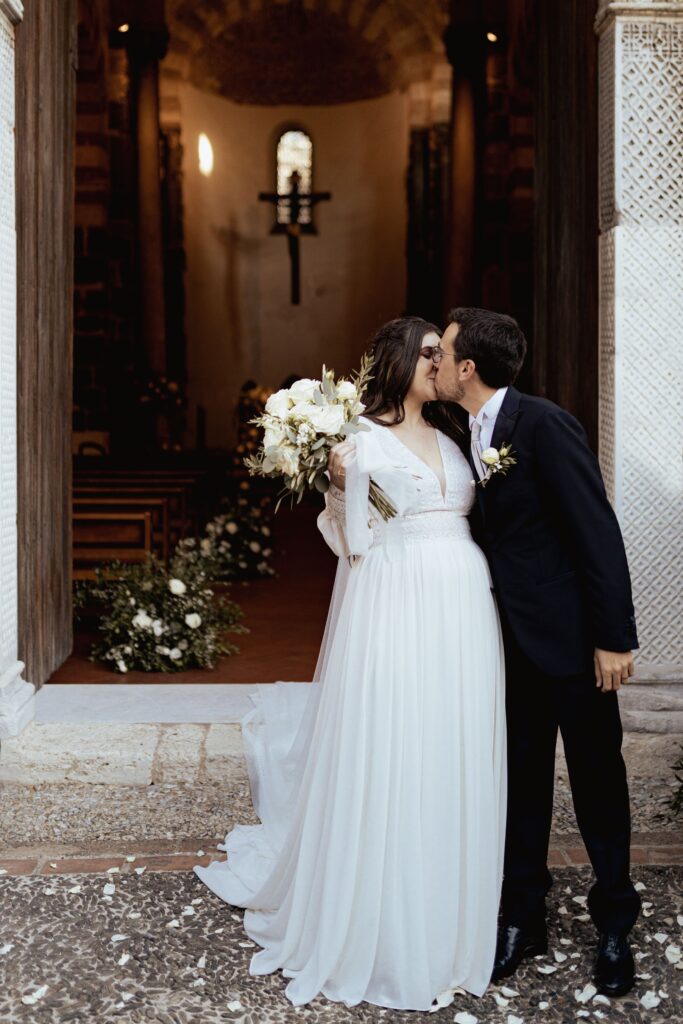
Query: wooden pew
x,y
100,537
157,507
180,521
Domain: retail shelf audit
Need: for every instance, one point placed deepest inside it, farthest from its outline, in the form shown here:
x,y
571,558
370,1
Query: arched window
x,y
294,153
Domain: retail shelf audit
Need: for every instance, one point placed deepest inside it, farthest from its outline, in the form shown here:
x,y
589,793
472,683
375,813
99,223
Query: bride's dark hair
x,y
395,350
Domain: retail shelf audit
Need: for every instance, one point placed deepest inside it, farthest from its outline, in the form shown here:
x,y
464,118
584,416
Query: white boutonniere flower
x,y
498,460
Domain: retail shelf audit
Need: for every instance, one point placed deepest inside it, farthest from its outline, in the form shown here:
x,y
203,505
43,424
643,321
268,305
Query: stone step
x,y
141,734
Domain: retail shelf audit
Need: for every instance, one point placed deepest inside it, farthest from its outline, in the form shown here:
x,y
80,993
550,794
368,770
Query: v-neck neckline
x,y
422,462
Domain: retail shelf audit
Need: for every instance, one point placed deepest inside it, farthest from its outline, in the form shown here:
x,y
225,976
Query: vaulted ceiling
x,y
305,51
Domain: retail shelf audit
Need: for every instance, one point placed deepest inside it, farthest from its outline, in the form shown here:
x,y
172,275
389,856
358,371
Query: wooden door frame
x,y
46,54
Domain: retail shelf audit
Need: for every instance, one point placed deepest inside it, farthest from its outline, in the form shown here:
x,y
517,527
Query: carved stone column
x,y
146,46
641,307
466,47
16,695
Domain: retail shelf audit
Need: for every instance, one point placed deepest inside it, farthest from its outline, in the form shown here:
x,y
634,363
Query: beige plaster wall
x,y
240,322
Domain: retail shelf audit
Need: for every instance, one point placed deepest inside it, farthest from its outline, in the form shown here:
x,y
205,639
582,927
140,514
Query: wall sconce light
x,y
205,152
124,28
492,37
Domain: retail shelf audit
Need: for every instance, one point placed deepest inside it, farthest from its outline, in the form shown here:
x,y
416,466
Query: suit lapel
x,y
506,424
507,418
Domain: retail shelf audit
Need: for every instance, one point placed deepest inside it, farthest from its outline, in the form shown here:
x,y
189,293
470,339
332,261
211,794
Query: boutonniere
x,y
498,460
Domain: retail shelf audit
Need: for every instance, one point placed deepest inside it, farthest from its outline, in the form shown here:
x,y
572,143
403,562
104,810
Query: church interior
x,y
257,187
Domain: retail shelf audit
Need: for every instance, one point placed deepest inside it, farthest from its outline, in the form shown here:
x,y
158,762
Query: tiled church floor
x,y
285,616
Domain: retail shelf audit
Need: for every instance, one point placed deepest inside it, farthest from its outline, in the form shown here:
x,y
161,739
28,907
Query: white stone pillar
x,y
641,308
16,696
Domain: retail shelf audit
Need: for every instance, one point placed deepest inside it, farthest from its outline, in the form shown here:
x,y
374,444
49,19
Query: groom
x,y
563,590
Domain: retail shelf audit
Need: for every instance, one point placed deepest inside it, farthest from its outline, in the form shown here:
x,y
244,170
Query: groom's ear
x,y
467,369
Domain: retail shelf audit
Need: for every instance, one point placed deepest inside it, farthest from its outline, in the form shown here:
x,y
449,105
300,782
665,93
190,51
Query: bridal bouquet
x,y
302,424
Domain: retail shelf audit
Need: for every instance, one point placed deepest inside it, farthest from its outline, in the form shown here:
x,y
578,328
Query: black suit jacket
x,y
553,541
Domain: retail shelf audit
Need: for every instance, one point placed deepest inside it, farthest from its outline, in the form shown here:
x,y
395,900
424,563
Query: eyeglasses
x,y
435,353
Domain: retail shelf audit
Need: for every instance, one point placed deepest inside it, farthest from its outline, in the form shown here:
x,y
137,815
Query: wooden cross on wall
x,y
295,202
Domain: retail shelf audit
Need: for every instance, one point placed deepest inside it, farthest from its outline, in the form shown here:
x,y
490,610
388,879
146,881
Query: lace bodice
x,y
458,499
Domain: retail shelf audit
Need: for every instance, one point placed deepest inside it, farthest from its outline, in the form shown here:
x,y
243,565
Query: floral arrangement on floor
x,y
236,544
160,619
302,423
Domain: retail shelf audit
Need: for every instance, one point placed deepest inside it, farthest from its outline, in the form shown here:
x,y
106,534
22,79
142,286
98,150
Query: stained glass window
x,y
294,153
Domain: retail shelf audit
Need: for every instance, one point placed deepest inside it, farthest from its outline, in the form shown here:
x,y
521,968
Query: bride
x,y
376,872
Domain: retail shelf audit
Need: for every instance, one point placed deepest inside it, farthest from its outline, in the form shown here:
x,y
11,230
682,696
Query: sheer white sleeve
x,y
332,521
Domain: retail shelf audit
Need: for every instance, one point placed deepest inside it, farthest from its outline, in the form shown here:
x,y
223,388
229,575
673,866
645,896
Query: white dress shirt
x,y
487,416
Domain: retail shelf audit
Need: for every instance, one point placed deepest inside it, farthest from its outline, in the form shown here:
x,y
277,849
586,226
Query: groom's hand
x,y
612,669
337,461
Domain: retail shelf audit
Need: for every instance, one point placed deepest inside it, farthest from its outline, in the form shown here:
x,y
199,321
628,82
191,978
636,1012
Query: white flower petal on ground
x,y
601,999
140,871
599,1014
582,917
196,901
130,858
7,948
679,918
49,891
188,912
543,1005
673,953
119,938
579,899
198,982
660,937
583,1013
200,853
127,996
500,1000
201,963
650,1000
639,886
53,864
175,923
566,942
546,968
511,1019
135,915
644,977
109,889
235,1004
113,871
562,910
509,993
123,959
583,995
465,1018
559,957
75,888
247,945
33,998
3,871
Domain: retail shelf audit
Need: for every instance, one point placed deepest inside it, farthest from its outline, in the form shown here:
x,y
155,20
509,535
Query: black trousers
x,y
588,719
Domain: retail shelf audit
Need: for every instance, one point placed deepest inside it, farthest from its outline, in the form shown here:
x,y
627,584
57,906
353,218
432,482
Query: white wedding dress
x,y
376,872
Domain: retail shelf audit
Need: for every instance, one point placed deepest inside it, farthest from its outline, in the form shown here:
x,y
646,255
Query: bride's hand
x,y
338,461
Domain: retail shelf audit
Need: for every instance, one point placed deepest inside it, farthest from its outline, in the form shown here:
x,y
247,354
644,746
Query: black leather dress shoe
x,y
516,944
614,967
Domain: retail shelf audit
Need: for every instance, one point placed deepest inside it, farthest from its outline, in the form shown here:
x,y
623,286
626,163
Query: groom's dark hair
x,y
493,341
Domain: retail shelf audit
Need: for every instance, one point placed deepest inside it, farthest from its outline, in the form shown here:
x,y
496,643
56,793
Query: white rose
x,y
157,628
231,527
490,456
346,390
175,654
177,587
274,435
255,547
278,404
304,389
121,666
193,620
327,419
142,621
287,461
205,545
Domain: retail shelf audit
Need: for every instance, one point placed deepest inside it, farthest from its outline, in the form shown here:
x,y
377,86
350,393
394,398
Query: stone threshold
x,y
653,849
139,734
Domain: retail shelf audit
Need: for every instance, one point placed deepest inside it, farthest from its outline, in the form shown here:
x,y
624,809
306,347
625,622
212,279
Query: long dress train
x,y
376,872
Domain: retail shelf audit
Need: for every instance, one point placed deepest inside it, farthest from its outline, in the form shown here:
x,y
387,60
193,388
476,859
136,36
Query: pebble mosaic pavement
x,y
80,943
